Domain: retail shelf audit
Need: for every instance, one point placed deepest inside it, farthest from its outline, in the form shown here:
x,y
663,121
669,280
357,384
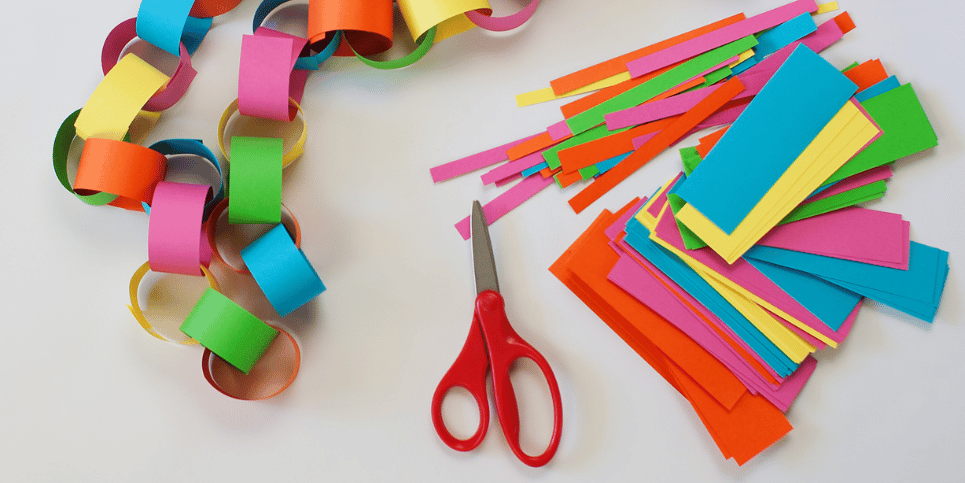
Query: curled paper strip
x,y
305,62
174,236
288,220
422,15
366,24
502,24
282,271
288,156
161,22
254,181
228,330
269,377
135,307
264,77
63,140
127,170
118,98
425,43
212,8
114,45
170,147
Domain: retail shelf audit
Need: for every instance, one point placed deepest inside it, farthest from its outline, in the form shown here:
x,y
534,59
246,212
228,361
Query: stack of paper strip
x,y
733,273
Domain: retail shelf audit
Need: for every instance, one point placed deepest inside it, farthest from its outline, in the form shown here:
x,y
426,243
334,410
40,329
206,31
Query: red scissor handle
x,y
505,346
469,372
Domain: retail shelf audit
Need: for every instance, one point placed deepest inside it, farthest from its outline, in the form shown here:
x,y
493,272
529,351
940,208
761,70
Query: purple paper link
x,y
657,205
745,275
473,162
507,180
504,171
505,202
724,35
502,24
559,131
624,247
854,181
854,233
614,230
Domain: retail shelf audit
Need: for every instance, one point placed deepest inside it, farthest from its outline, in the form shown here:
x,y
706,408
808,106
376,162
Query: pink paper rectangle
x,y
724,35
507,201
473,162
855,181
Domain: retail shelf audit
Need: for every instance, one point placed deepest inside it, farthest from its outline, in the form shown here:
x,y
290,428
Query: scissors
x,y
492,345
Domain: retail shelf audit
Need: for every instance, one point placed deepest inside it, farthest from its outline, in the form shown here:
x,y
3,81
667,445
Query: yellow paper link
x,y
135,308
288,157
643,216
826,7
143,124
452,27
840,139
749,304
546,94
119,98
747,54
422,15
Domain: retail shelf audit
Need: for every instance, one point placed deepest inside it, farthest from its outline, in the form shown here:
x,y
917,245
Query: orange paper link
x,y
212,8
618,65
366,24
867,74
127,170
592,152
658,143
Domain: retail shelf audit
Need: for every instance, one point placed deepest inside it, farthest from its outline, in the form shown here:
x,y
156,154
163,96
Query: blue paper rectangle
x,y
783,35
775,128
878,89
827,301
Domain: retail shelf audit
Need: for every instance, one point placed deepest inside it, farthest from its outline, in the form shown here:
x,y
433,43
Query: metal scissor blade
x,y
484,265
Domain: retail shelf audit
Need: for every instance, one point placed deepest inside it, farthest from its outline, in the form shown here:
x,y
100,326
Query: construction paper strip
x,y
878,89
212,8
174,232
422,48
856,234
254,183
616,66
905,128
867,74
916,291
826,7
719,37
169,147
655,145
830,303
269,377
473,162
161,22
138,314
502,24
195,30
864,178
308,62
690,158
611,144
784,34
288,157
62,141
806,89
838,201
507,201
114,45
534,169
520,165
366,24
228,330
546,94
118,98
264,76
282,270
127,170
695,67
422,15
559,131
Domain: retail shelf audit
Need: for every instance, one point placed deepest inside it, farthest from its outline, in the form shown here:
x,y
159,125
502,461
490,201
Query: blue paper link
x,y
878,89
161,23
282,271
827,301
535,169
789,112
637,236
783,35
916,291
195,30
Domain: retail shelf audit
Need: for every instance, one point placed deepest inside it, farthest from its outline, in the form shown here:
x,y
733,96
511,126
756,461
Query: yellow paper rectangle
x,y
546,94
118,99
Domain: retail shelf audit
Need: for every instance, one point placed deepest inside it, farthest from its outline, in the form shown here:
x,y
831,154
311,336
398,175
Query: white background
x,y
88,396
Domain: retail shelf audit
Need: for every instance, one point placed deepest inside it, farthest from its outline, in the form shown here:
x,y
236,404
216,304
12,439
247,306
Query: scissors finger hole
x,y
535,403
460,413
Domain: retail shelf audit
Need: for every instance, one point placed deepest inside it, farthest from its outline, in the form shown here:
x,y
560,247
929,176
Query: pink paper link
x,y
473,162
264,76
507,201
502,24
174,237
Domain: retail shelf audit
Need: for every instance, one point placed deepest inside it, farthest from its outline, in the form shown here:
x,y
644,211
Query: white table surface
x,y
89,396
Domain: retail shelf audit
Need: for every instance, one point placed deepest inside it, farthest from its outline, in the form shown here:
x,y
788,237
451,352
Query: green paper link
x,y
228,330
254,180
62,141
424,44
